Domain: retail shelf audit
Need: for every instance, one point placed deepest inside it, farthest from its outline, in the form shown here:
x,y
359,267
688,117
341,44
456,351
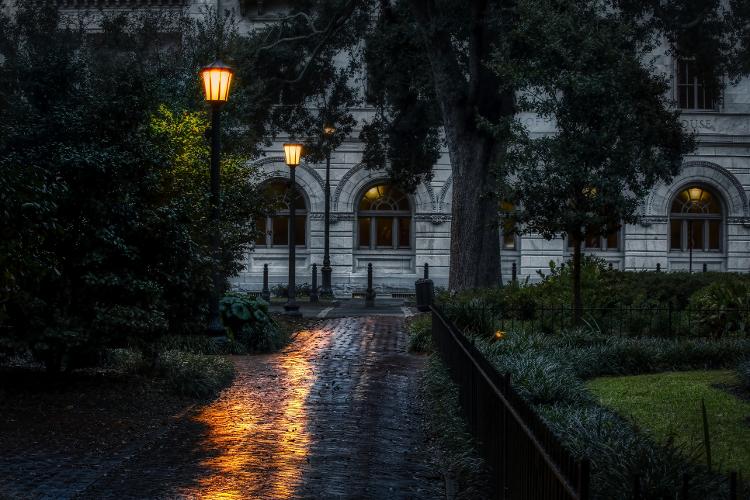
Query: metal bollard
x,y
369,293
658,267
705,267
426,271
609,266
314,288
513,273
265,294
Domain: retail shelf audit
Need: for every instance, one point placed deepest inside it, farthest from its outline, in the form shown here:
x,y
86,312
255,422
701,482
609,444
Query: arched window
x,y
276,227
695,221
384,219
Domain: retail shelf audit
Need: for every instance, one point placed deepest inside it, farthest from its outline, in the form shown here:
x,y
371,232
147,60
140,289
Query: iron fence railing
x,y
655,321
526,459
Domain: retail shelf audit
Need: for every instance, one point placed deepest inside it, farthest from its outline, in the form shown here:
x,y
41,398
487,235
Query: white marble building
x,y
700,220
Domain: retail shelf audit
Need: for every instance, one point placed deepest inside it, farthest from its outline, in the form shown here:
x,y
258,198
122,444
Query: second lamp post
x,y
326,270
292,154
216,79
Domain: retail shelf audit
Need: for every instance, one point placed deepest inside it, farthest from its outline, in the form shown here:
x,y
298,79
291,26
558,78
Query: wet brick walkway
x,y
335,415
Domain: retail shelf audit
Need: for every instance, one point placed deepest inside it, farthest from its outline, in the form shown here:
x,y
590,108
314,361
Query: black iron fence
x,y
655,321
526,459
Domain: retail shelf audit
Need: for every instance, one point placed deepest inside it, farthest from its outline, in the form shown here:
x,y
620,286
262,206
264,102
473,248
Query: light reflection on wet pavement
x,y
334,415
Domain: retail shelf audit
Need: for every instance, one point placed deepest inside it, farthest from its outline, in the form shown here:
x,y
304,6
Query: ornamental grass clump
x,y
419,328
195,375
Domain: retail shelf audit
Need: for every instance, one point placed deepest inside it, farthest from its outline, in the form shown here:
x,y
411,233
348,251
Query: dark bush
x,y
249,323
195,375
420,333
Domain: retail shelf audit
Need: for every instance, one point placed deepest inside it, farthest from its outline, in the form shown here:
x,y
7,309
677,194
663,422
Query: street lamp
x,y
292,154
325,289
216,79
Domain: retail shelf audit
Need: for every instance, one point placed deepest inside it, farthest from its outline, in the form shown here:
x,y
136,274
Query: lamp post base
x,y
292,309
325,288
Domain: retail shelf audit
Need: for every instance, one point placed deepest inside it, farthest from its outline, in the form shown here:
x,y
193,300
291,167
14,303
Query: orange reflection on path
x,y
257,440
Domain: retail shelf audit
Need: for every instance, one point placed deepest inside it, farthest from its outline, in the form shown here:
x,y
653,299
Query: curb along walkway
x,y
334,415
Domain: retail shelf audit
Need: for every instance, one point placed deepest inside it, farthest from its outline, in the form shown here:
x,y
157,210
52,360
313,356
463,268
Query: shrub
x,y
420,333
722,308
124,360
195,375
248,322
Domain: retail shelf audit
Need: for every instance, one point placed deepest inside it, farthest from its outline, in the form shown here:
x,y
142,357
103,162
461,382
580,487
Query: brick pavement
x,y
334,415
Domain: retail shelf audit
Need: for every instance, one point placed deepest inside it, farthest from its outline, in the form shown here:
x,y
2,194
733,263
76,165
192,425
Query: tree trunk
x,y
577,302
475,235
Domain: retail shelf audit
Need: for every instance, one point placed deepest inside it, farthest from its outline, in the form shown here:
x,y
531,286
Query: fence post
x,y
669,320
369,293
685,482
658,267
584,475
513,273
426,271
610,266
314,288
705,267
265,294
637,488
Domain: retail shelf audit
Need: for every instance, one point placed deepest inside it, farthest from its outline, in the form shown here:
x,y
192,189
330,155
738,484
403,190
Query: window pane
x,y
593,242
695,234
280,230
404,233
612,243
299,230
260,225
384,231
364,232
676,234
509,241
713,234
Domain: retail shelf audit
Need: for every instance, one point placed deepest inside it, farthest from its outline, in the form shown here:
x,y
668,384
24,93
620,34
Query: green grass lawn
x,y
669,404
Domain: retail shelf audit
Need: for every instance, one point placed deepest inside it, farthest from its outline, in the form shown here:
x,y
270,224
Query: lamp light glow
x,y
217,79
292,154
329,129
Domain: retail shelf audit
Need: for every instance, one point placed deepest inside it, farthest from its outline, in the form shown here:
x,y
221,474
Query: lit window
x,y
384,218
693,92
276,227
695,221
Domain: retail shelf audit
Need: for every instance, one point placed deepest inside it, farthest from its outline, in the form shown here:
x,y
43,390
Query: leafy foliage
x,y
248,321
103,184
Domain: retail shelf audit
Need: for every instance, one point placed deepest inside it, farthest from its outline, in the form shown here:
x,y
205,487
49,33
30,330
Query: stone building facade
x,y
701,220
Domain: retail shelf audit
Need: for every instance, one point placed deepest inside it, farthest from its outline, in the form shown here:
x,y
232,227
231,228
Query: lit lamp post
x,y
216,79
292,154
325,289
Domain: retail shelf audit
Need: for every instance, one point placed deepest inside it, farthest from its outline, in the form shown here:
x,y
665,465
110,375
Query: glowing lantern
x,y
217,78
292,154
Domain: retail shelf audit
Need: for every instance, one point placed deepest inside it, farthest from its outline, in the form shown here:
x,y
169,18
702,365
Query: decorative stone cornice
x,y
436,219
648,220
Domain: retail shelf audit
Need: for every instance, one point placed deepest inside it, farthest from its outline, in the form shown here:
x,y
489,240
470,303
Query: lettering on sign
x,y
698,124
